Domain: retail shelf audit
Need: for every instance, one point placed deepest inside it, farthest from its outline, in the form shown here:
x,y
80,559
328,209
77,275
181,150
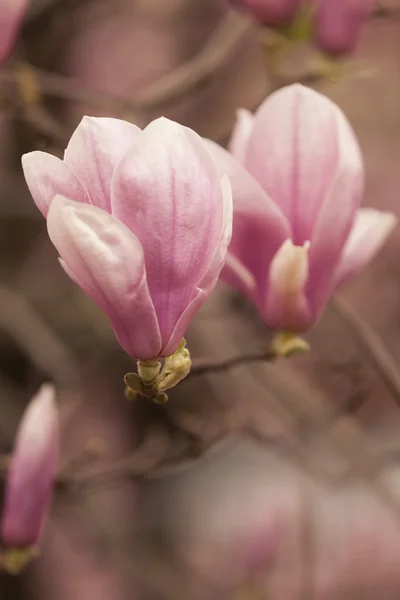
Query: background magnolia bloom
x,y
270,12
31,474
297,181
142,222
339,24
11,14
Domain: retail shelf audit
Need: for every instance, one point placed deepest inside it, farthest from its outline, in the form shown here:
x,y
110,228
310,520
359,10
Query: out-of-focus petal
x,y
31,474
168,192
259,228
286,305
331,232
370,231
107,261
339,24
240,134
46,176
11,15
270,12
297,142
94,150
239,277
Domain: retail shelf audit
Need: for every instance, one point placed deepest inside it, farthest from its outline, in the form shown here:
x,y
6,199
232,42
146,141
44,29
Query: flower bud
x,y
339,24
31,473
270,12
11,15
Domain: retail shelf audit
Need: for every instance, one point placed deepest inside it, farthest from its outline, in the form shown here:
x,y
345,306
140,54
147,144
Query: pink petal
x,y
107,261
220,253
11,15
286,305
298,139
339,24
236,275
370,231
259,228
208,282
46,176
270,12
32,471
167,191
94,150
331,232
241,133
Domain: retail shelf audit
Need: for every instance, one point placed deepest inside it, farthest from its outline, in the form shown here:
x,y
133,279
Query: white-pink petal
x,y
46,176
297,141
241,133
286,304
332,229
107,261
370,231
94,150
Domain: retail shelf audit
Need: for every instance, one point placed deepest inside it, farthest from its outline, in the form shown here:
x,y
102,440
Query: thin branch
x,y
168,89
205,366
383,361
214,54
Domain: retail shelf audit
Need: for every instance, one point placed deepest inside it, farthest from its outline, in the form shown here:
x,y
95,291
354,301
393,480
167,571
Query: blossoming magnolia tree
x,y
146,221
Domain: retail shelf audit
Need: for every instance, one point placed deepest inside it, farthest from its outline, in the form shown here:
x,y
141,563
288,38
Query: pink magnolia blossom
x,y
142,222
339,24
31,474
11,14
297,181
270,12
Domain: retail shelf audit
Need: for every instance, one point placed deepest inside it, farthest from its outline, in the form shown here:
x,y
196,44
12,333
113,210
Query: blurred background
x,y
278,482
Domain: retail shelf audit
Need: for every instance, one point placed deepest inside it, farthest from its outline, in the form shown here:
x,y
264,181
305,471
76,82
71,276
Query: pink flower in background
x,y
11,15
29,484
270,12
141,220
339,24
297,182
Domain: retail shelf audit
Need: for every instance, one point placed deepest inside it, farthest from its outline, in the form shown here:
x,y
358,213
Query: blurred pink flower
x,y
31,474
141,221
297,182
11,14
339,24
270,12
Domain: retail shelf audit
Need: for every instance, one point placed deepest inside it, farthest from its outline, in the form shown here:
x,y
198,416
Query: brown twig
x,y
171,87
371,341
136,464
206,366
197,71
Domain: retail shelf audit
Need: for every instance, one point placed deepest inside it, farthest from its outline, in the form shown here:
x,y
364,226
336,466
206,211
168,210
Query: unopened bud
x,y
339,24
29,483
272,13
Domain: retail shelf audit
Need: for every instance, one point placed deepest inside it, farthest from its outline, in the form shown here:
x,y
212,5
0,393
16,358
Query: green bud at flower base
x,y
154,378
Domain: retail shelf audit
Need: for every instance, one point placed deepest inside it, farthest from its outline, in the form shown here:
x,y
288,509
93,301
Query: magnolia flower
x,y
339,24
297,183
11,14
270,12
29,484
142,222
